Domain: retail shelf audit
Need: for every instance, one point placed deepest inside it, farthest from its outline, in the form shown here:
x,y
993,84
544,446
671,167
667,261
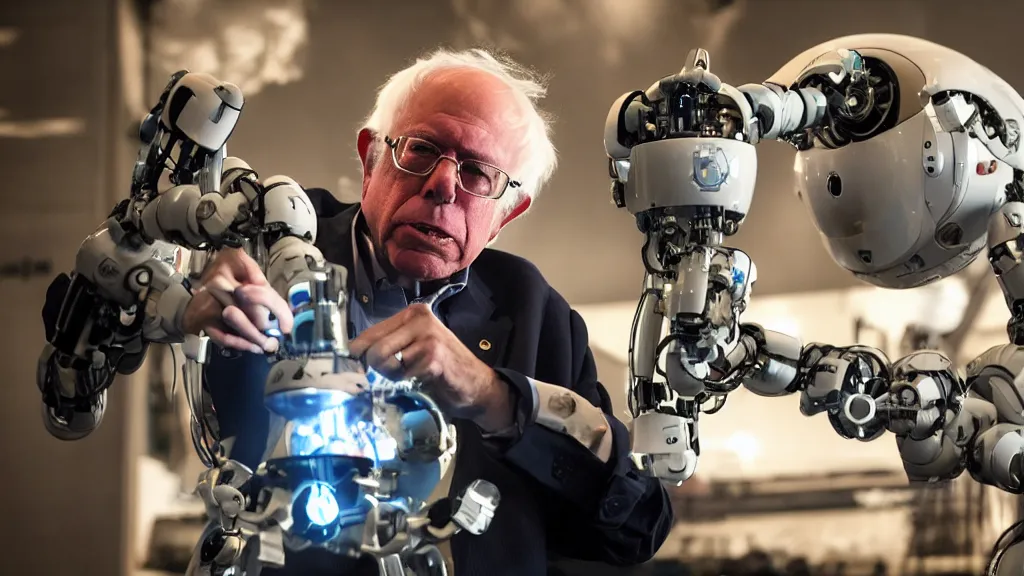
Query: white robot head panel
x,y
902,196
672,158
203,109
288,208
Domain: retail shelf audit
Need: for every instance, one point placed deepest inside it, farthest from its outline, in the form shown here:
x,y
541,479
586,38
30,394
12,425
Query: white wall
x,y
754,436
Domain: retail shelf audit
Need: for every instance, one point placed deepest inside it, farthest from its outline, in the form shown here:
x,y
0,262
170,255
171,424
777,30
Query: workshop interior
x,y
775,491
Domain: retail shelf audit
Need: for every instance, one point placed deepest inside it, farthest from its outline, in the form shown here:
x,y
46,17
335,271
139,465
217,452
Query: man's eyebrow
x,y
463,152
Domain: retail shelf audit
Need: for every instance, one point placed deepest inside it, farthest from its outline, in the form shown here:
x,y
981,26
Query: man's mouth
x,y
431,231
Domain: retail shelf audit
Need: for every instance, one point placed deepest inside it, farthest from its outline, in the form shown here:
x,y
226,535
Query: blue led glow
x,y
738,276
322,506
345,429
335,432
305,317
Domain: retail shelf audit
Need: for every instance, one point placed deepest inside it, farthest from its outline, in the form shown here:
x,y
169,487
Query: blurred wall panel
x,y
64,502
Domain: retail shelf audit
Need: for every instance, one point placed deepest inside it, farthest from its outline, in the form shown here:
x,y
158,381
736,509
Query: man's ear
x,y
515,213
364,144
365,147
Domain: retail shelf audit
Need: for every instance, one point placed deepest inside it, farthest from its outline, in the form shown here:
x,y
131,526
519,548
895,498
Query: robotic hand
x,y
399,540
347,450
909,162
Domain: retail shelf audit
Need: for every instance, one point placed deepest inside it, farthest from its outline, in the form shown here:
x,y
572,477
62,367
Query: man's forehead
x,y
469,111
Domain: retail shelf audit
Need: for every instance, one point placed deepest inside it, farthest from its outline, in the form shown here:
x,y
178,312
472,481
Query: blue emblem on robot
x,y
738,276
710,168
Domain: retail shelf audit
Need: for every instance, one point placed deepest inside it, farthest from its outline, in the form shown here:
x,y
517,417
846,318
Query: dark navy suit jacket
x,y
557,499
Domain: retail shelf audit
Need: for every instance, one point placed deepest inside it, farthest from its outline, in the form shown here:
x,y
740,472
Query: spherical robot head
x,y
899,200
906,207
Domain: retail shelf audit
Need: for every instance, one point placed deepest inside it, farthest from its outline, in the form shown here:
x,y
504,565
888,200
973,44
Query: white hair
x,y
540,157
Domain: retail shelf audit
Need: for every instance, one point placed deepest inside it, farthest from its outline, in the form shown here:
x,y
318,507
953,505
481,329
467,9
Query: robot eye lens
x,y
834,184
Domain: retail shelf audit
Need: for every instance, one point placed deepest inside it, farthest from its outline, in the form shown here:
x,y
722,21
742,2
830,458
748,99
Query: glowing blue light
x,y
322,507
342,431
738,276
303,330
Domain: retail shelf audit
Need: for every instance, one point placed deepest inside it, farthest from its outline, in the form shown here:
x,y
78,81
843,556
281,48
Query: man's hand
x,y
415,344
235,303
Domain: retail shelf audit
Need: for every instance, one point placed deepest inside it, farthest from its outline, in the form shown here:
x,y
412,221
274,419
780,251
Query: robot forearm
x,y
957,434
840,381
995,408
186,216
940,429
768,361
864,395
99,322
1006,255
780,112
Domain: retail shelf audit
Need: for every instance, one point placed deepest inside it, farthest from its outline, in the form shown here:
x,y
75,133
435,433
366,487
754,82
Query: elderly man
x,y
454,151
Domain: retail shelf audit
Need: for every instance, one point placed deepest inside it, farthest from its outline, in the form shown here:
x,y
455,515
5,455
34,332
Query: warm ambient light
x,y
745,446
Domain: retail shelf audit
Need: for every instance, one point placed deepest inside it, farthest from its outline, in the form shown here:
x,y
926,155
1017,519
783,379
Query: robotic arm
x,y
682,162
829,102
126,291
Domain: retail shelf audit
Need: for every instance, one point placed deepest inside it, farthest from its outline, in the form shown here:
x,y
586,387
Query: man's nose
x,y
442,185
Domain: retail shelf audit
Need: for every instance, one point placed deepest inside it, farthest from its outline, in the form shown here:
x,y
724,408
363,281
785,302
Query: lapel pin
x,y
485,345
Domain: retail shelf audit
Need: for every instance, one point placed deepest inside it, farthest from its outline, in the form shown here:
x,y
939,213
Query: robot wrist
x,y
165,315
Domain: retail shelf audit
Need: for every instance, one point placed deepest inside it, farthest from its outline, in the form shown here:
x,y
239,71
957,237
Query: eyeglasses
x,y
420,157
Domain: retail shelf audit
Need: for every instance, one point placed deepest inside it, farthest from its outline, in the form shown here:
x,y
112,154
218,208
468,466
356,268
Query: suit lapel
x,y
469,313
471,318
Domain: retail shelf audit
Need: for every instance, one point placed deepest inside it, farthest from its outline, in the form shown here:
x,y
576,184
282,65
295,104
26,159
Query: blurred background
x,y
776,493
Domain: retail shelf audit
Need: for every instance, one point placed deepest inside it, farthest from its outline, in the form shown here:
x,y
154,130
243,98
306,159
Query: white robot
x,y
910,163
352,459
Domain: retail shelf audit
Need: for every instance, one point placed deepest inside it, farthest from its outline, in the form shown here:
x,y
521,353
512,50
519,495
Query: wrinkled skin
x,y
467,114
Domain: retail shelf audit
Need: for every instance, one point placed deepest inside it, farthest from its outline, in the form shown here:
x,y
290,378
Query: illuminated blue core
x,y
322,507
342,431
